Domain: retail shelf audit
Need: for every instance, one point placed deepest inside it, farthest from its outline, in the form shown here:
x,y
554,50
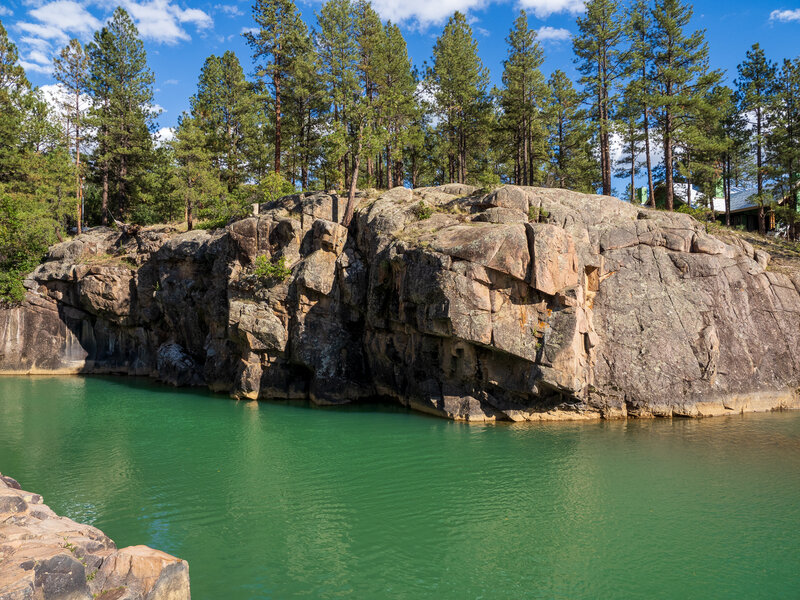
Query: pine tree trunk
x,y
762,226
668,158
389,173
351,195
105,193
726,184
277,82
651,195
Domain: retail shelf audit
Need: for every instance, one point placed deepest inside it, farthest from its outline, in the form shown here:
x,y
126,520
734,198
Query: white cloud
x,y
67,16
229,9
5,11
423,13
36,68
164,135
252,30
553,34
785,16
160,20
171,82
545,8
39,57
44,32
37,43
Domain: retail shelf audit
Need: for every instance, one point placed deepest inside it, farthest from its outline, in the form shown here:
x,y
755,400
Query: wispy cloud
x,y
230,10
545,8
785,16
553,34
162,21
5,11
171,82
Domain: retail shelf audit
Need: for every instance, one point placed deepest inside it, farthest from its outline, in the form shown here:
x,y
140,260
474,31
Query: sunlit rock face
x,y
47,557
522,304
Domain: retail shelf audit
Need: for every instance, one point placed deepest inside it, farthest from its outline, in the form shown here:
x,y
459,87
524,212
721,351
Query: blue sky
x,y
179,34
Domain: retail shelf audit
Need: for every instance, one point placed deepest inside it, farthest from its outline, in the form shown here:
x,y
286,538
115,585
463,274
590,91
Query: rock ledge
x,y
47,557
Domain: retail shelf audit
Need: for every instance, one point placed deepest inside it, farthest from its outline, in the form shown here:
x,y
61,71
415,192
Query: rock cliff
x,y
47,557
522,304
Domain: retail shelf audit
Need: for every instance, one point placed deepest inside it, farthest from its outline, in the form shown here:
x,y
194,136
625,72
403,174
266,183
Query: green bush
x,y
536,214
269,270
702,214
423,211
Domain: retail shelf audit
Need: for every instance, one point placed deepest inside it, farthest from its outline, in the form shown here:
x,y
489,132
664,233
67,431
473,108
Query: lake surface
x,y
271,500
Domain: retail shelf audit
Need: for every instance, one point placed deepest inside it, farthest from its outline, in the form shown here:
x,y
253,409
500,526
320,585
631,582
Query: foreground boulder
x,y
47,557
522,304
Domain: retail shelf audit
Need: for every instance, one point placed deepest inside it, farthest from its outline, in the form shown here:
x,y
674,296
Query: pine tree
x,y
338,50
640,56
71,70
572,165
522,100
602,63
14,87
680,77
783,140
194,179
458,82
397,106
121,86
734,157
276,46
755,85
224,109
631,138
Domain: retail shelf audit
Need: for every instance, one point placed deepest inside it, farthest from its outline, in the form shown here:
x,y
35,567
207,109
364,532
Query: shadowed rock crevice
x,y
522,304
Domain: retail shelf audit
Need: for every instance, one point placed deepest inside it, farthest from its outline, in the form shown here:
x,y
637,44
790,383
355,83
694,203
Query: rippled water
x,y
286,501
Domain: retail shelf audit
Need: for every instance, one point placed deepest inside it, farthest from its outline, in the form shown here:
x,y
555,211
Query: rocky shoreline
x,y
524,304
44,556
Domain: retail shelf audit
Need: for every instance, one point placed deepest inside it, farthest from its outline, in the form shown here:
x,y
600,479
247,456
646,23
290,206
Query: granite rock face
x,y
523,304
47,557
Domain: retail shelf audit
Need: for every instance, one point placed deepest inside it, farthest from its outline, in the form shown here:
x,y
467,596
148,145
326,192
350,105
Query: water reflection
x,y
281,500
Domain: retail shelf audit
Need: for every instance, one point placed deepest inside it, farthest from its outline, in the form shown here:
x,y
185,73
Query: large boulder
x,y
521,304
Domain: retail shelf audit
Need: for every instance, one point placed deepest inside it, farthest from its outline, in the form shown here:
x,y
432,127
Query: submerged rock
x,y
523,304
47,557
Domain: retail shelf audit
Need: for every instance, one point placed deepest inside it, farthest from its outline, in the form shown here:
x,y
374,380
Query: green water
x,y
286,501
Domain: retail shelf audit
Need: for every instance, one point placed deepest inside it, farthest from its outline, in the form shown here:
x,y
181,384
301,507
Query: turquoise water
x,y
281,501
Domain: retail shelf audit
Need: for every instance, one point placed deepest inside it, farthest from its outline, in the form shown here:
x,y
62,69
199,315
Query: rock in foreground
x,y
523,304
47,557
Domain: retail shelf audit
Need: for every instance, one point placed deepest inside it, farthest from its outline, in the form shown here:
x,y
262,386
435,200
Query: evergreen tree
x,y
195,182
338,49
735,155
640,58
121,86
522,99
572,164
71,70
631,138
602,63
224,110
14,87
458,82
397,107
276,45
783,141
755,85
680,76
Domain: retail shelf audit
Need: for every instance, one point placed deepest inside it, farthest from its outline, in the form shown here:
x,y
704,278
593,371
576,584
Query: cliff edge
x,y
522,304
44,556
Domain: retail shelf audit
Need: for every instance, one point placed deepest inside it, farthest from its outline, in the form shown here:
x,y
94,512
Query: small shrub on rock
x,y
269,270
423,211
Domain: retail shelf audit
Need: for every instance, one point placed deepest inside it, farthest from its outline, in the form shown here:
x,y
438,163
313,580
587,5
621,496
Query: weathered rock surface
x,y
595,308
47,557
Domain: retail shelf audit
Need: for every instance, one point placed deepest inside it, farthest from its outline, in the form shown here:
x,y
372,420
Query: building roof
x,y
741,199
